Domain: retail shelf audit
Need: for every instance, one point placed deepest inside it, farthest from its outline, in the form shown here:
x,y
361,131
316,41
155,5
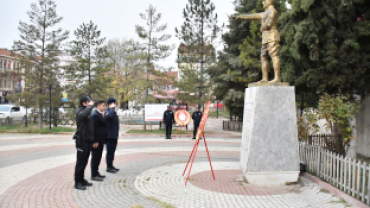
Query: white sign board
x,y
154,112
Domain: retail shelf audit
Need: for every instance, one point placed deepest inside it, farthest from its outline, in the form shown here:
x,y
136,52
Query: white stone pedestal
x,y
270,148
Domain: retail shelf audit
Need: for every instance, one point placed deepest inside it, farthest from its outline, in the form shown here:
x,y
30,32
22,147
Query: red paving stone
x,y
227,183
53,187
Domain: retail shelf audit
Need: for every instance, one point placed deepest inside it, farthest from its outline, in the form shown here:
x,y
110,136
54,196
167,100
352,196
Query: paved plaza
x,y
37,171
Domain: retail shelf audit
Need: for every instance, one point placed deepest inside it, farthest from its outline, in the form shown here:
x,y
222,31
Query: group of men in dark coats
x,y
169,119
94,129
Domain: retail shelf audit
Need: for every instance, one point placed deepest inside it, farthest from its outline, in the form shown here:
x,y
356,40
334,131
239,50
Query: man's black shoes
x,y
115,168
86,183
111,170
100,175
80,186
97,178
193,138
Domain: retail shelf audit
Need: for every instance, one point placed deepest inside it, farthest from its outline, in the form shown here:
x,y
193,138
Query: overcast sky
x,y
115,18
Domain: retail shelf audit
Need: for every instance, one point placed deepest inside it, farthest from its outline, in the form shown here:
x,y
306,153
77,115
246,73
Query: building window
x,y
1,63
9,64
4,64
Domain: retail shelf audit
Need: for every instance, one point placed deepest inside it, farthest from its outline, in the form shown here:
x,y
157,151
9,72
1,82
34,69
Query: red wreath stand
x,y
200,132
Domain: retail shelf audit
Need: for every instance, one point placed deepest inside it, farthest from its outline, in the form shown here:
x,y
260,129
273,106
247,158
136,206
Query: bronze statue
x,y
270,38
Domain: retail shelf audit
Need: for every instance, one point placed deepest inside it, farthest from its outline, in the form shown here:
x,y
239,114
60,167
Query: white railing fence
x,y
348,175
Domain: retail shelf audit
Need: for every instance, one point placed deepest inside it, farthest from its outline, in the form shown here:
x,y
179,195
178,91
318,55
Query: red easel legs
x,y
192,161
209,158
195,144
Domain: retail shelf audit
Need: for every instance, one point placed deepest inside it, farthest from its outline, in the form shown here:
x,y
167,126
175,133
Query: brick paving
x,y
37,171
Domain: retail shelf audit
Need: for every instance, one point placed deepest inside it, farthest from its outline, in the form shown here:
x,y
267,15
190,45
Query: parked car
x,y
12,114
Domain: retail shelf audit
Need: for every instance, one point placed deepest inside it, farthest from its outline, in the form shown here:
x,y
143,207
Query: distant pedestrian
x,y
168,120
100,138
197,117
113,130
84,137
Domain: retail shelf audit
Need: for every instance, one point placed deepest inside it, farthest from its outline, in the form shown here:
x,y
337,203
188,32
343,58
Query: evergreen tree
x,y
92,70
326,48
156,49
196,52
38,47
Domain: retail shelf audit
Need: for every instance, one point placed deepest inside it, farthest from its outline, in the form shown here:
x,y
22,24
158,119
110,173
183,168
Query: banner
x,y
154,112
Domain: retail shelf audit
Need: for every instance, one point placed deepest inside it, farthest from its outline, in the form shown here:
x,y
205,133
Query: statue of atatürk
x,y
270,38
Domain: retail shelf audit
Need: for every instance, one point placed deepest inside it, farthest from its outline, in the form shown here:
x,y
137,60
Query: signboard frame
x,y
154,112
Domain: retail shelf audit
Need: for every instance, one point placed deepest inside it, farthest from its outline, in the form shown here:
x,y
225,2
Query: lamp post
x,y
50,106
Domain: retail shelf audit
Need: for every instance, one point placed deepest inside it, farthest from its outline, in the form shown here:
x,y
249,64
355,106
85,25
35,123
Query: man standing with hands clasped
x,y
168,120
100,137
113,130
84,137
197,116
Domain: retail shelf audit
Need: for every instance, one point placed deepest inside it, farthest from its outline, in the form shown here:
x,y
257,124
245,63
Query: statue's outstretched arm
x,y
252,16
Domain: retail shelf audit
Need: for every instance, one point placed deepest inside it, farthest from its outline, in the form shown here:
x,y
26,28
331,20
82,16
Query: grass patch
x,y
15,127
221,113
58,129
324,190
137,206
148,179
160,203
33,128
133,131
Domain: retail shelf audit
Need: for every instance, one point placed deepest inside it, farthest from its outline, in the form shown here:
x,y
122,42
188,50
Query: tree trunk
x,y
338,142
40,117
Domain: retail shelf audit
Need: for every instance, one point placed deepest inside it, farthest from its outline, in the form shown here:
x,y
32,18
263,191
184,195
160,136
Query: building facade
x,y
10,79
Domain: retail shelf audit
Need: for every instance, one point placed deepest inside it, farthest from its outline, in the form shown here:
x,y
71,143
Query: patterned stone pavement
x,y
37,171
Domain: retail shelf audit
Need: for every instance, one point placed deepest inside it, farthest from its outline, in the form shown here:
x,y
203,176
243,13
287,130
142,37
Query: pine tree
x,y
156,49
92,70
38,47
197,52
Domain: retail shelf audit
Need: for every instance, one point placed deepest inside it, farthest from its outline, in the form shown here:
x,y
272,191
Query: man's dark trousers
x,y
83,153
96,155
111,149
168,130
196,126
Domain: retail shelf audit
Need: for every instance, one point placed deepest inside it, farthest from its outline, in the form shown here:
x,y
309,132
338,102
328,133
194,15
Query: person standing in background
x,y
113,130
100,138
84,137
168,120
197,117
